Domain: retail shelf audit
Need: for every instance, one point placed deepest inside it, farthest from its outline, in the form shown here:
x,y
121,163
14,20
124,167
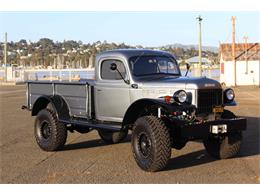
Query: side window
x,y
108,74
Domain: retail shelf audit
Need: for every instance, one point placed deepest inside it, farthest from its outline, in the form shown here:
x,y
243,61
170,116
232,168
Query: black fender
x,y
233,103
58,104
138,106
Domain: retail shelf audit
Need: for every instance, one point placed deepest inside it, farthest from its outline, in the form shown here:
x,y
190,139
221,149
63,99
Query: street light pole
x,y
233,18
199,18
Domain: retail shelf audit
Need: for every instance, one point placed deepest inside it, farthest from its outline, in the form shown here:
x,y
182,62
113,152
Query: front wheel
x,y
222,148
227,146
151,144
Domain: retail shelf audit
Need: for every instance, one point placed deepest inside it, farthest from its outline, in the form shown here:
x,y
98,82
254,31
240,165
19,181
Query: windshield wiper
x,y
137,58
158,73
162,76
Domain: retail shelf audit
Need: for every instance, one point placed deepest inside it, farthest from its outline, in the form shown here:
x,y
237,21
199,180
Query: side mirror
x,y
188,68
113,66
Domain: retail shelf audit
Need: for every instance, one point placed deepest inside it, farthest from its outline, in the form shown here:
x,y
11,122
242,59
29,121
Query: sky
x,y
134,28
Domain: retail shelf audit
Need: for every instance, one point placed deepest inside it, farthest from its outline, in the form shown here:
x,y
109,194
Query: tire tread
x,y
59,135
163,145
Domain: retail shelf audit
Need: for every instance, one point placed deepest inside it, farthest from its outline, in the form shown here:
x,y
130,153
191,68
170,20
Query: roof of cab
x,y
127,53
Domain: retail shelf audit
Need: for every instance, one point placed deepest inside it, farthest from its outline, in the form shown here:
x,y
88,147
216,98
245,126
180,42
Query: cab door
x,y
111,92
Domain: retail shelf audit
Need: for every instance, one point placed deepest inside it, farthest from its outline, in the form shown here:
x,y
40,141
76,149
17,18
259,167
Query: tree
x,y
46,52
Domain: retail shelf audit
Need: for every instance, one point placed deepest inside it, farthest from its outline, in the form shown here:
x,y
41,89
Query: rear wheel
x,y
112,137
50,134
225,146
151,144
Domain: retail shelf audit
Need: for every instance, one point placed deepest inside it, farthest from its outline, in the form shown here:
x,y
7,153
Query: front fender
x,y
134,110
233,103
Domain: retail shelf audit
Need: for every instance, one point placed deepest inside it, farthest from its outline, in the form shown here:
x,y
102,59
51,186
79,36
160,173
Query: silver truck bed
x,y
76,94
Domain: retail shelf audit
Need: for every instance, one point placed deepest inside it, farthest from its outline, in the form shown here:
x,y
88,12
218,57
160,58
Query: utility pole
x,y
199,18
246,47
5,56
233,18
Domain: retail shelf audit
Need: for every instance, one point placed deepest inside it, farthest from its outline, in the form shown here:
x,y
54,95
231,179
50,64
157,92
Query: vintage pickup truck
x,y
142,91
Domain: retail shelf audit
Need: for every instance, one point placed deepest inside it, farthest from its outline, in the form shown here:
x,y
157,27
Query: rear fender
x,y
58,104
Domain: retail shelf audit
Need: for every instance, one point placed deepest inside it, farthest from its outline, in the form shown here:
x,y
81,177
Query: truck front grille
x,y
207,98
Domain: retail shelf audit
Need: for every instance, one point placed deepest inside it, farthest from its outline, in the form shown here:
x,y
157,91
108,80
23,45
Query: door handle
x,y
99,90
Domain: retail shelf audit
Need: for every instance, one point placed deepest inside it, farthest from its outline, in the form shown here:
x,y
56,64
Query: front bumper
x,y
202,130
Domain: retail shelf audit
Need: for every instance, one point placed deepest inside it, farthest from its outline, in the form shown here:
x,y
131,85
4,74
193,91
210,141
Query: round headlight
x,y
180,96
230,95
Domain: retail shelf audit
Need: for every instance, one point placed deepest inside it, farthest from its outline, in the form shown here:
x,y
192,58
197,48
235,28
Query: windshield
x,y
153,65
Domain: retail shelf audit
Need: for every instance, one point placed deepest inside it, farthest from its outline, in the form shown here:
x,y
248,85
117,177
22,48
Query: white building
x,y
194,61
247,64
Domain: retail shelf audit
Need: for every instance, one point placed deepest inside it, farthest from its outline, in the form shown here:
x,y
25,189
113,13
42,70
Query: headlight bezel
x,y
229,95
180,94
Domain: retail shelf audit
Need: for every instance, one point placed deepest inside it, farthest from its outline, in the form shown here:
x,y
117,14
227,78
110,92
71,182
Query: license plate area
x,y
218,109
216,129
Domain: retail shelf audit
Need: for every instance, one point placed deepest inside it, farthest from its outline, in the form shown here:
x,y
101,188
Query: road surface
x,y
86,159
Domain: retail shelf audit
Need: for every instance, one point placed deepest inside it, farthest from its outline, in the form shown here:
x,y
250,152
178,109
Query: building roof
x,y
249,51
195,59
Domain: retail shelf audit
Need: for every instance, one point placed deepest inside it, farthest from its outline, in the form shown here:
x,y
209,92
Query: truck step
x,y
98,126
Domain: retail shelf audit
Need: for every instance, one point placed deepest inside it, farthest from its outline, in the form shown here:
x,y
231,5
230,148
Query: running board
x,y
105,127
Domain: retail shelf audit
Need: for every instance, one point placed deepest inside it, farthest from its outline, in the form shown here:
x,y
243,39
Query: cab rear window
x,y
108,74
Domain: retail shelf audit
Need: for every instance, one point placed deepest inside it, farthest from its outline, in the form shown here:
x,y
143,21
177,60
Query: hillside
x,y
75,54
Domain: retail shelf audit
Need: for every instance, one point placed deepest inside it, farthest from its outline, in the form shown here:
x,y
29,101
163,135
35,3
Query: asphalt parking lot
x,y
86,159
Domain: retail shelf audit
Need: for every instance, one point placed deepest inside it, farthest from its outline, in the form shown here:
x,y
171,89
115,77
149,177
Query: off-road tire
x,y
227,146
56,131
158,137
113,137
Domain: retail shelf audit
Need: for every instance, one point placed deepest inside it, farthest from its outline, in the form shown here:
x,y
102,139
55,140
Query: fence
x,y
22,75
19,75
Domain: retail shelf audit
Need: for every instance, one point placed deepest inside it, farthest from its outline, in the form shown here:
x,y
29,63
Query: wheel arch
x,y
137,107
58,104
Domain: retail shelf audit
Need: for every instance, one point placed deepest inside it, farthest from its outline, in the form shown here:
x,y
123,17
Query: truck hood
x,y
181,83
